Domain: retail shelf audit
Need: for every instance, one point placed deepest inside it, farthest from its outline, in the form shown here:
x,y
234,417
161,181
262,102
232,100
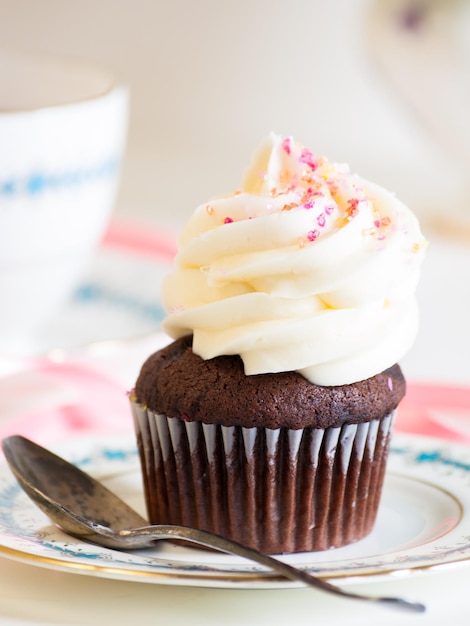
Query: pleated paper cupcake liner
x,y
279,491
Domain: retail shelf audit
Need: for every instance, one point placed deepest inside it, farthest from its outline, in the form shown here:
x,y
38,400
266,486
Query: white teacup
x,y
63,127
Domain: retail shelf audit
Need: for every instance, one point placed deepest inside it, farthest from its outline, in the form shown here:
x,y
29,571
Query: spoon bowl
x,y
86,509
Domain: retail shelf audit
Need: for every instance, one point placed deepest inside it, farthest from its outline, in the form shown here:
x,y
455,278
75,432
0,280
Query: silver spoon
x,y
84,508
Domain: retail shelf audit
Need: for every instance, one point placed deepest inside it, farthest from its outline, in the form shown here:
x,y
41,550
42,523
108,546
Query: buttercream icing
x,y
307,267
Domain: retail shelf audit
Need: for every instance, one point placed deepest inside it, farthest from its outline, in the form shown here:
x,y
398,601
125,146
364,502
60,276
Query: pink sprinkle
x,y
390,383
178,308
313,234
286,145
377,223
308,205
228,220
307,157
353,209
321,220
329,209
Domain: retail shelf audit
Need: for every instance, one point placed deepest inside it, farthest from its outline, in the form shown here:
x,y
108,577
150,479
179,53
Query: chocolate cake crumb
x,y
176,382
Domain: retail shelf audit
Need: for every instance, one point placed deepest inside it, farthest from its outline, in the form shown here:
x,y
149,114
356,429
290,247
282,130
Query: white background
x,y
209,79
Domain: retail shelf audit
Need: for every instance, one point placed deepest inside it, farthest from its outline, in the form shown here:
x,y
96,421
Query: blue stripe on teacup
x,y
40,182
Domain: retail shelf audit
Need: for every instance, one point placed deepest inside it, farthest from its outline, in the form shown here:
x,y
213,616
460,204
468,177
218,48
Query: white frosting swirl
x,y
307,268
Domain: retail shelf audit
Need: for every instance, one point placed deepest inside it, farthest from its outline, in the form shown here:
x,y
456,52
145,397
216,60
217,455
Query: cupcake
x,y
268,418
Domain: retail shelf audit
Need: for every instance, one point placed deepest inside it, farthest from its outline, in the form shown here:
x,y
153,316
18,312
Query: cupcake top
x,y
178,383
306,268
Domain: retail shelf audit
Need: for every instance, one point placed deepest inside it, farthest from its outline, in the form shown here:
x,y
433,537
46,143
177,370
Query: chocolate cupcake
x,y
269,460
269,417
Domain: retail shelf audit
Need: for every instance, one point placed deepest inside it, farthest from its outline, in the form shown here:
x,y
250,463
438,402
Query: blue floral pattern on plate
x,y
423,523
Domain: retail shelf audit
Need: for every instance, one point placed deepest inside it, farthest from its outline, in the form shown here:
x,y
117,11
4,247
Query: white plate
x,y
423,523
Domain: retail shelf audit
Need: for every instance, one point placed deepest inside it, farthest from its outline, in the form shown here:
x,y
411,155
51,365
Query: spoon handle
x,y
211,540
